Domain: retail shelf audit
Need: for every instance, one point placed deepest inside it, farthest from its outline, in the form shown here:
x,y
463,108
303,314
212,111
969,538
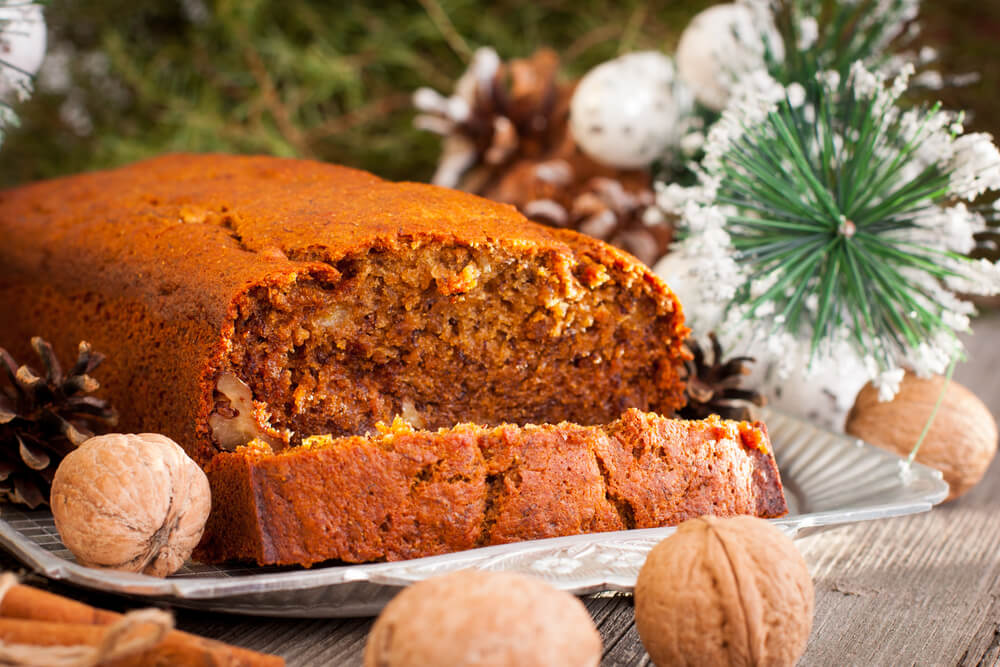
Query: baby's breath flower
x,y
829,78
692,142
927,54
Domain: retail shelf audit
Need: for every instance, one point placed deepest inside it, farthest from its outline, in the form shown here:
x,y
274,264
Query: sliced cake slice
x,y
405,493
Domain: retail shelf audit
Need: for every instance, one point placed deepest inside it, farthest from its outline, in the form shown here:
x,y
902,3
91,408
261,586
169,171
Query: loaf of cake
x,y
260,301
403,493
326,300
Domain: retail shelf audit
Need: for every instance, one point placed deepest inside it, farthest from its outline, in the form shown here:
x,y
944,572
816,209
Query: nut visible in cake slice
x,y
237,419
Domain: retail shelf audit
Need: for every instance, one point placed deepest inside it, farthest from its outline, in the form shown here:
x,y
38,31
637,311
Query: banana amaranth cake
x,y
260,299
331,299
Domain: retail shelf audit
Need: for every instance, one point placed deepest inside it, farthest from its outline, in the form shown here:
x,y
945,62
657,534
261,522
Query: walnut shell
x,y
730,591
961,441
483,618
130,502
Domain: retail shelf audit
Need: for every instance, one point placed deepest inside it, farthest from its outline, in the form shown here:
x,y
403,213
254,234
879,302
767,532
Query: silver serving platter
x,y
829,479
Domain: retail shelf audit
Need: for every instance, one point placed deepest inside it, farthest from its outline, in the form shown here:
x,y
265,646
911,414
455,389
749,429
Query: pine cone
x,y
498,111
713,385
506,137
43,418
604,209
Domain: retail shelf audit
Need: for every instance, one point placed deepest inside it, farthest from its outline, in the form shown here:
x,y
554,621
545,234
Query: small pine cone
x,y
714,384
43,417
499,112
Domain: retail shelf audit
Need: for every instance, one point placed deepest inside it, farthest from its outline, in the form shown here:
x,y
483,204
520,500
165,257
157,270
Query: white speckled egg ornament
x,y
719,45
627,112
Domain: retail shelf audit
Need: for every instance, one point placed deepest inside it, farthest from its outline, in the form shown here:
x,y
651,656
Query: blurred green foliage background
x,y
332,80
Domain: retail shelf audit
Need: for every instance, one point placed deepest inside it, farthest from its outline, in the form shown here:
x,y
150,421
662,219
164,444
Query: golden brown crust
x,y
410,494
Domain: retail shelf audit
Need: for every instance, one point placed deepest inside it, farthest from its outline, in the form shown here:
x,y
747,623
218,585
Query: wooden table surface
x,y
917,590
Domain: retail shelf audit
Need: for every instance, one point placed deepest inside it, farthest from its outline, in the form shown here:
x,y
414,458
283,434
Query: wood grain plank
x,y
347,649
621,639
299,641
985,648
603,605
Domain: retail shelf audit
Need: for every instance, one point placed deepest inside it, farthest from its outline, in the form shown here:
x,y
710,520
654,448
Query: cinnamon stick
x,y
24,608
36,634
31,603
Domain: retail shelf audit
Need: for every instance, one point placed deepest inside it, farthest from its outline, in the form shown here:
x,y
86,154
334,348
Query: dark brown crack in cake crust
x,y
403,493
242,297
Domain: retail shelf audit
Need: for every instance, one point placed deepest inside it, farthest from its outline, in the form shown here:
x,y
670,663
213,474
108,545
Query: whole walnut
x,y
130,502
730,591
962,438
485,619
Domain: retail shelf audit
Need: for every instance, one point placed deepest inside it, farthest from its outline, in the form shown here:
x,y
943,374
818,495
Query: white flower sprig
x,y
837,224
